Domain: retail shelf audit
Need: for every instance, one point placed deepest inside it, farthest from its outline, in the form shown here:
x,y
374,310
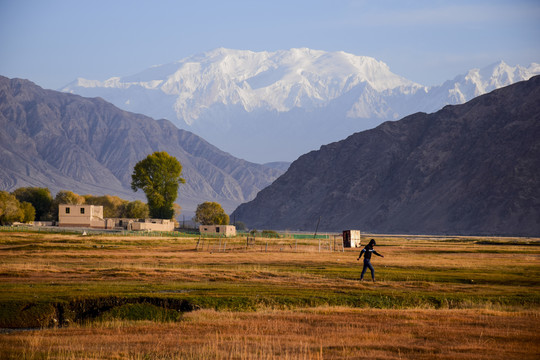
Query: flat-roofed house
x,y
222,230
91,216
152,225
81,216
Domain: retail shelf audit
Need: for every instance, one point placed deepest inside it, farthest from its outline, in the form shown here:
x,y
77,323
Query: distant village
x,y
42,211
91,216
35,206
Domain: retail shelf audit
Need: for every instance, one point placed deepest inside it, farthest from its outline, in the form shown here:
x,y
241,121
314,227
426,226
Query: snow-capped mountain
x,y
271,81
268,106
481,81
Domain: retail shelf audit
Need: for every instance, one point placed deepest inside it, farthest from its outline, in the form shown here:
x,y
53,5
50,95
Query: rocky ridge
x,y
87,145
466,169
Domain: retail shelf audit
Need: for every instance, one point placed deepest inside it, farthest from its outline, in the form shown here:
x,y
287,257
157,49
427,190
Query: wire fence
x,y
263,244
260,242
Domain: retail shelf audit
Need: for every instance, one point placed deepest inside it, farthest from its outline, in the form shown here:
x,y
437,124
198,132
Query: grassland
x,y
109,297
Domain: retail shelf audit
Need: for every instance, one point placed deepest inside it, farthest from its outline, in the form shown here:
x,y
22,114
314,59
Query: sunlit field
x,y
114,297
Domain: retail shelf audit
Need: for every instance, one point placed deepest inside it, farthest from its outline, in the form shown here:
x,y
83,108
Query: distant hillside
x,y
64,141
466,169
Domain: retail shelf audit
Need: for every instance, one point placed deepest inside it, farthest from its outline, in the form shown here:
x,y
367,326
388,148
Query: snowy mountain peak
x,y
480,81
275,81
241,101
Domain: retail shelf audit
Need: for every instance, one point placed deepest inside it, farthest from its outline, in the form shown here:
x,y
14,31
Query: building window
x,y
67,210
82,210
217,229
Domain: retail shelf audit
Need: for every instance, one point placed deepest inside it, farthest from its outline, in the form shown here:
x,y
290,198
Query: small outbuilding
x,y
152,225
351,238
221,230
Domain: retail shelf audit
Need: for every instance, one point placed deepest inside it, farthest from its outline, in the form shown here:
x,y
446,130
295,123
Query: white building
x,y
81,216
91,216
222,230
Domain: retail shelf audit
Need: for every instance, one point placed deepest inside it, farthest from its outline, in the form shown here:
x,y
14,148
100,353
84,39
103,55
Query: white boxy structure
x,y
81,216
351,238
152,225
91,216
221,230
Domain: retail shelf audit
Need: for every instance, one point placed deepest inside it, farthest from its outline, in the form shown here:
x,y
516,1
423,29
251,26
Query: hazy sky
x,y
53,42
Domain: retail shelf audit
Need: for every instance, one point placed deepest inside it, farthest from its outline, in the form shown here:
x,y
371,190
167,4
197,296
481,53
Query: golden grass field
x,y
435,298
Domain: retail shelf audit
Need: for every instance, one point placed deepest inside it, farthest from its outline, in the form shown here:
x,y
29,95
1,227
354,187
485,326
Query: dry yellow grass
x,y
320,333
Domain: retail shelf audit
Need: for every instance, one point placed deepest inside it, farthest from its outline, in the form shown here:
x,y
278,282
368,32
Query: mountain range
x,y
465,169
269,106
89,146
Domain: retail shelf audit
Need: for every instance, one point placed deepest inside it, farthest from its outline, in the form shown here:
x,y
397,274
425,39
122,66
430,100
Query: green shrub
x,y
27,315
270,234
141,311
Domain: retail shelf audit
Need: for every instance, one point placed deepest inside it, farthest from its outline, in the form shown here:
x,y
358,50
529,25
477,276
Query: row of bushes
x,y
32,203
13,210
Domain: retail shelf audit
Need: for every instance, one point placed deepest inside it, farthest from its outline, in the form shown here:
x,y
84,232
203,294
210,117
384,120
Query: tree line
x,y
158,175
29,204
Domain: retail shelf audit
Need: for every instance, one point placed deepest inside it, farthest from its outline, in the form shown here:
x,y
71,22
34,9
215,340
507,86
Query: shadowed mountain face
x,y
63,141
466,169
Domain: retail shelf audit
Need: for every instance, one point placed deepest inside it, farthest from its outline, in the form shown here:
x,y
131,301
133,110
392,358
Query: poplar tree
x,y
159,176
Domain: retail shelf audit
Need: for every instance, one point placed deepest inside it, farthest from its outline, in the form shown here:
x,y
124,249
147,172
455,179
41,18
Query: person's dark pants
x,y
367,264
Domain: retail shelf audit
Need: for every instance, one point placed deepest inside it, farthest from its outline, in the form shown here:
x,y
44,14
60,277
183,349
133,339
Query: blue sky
x,y
55,41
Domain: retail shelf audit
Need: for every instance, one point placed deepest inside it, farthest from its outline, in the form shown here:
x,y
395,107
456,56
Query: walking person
x,y
367,252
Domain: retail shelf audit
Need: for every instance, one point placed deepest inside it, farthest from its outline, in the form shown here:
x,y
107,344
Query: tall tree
x,y
40,198
158,175
211,213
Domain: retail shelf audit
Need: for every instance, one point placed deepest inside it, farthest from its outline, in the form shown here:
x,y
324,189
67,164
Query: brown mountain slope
x,y
64,141
466,169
